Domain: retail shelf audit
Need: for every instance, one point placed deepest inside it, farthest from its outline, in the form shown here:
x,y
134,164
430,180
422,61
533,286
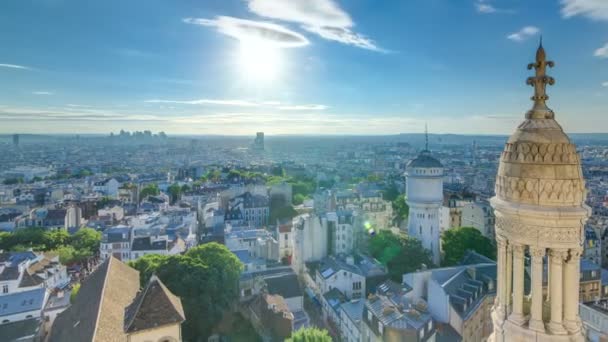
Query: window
x,y
4,288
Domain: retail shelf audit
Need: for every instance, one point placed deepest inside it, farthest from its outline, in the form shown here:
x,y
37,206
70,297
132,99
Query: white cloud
x,y
42,93
602,52
593,9
523,34
238,103
303,107
243,29
244,103
322,17
484,7
13,66
605,84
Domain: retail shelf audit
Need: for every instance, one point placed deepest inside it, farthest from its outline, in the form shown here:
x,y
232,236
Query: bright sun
x,y
259,61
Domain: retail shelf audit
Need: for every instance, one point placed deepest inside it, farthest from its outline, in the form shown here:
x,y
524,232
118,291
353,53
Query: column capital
x,y
576,252
537,253
518,249
558,255
501,242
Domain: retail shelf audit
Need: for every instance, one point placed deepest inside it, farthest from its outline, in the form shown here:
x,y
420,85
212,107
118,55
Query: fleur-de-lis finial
x,y
539,81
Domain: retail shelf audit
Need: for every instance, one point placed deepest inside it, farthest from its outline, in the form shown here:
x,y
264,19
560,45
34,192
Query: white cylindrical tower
x,y
540,211
424,190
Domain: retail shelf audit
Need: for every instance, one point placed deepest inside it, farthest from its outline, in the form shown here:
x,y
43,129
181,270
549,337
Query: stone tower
x,y
540,212
424,189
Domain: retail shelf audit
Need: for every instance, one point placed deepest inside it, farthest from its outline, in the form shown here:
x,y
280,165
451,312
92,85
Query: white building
x,y
480,216
424,179
107,187
350,320
73,217
310,240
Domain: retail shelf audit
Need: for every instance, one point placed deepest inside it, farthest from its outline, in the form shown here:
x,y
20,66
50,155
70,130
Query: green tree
x,y
56,238
174,192
12,181
205,278
391,192
309,335
401,208
149,190
455,242
74,292
86,241
400,254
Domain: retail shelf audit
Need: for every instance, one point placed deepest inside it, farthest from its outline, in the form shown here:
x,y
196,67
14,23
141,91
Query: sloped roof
x,y
98,311
286,285
153,307
24,301
30,280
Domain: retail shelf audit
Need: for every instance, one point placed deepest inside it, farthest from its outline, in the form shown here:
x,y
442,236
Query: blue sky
x,y
297,66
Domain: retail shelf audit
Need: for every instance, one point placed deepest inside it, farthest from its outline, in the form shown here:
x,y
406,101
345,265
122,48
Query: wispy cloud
x,y
322,17
605,84
523,34
14,66
602,52
593,9
42,93
303,107
484,7
243,103
244,30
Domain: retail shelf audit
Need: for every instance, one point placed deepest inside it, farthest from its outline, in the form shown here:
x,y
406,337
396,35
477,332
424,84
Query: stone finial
x,y
539,81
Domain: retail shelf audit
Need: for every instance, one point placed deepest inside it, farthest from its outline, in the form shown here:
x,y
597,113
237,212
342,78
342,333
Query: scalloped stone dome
x,y
540,166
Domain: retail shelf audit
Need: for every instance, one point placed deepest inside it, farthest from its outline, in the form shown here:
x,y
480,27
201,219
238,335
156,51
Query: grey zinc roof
x,y
424,160
25,301
286,285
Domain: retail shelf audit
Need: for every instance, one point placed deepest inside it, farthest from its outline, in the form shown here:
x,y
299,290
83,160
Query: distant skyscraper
x,y
540,214
424,180
16,140
258,143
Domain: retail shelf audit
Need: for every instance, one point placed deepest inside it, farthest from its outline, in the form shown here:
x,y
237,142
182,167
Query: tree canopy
x,y
309,335
75,248
400,254
457,241
149,190
401,208
205,278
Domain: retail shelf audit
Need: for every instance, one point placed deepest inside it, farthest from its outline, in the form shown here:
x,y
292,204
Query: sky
x,y
235,67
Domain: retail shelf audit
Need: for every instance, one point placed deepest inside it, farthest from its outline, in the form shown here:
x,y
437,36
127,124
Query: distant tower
x,y
474,153
258,143
16,140
73,217
540,214
424,180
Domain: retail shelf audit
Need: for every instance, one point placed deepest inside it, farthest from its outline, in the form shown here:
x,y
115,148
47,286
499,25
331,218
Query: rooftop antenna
x,y
426,136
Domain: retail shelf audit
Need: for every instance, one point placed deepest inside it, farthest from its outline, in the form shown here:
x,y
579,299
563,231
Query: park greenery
x,y
205,278
149,190
70,248
400,254
311,334
456,242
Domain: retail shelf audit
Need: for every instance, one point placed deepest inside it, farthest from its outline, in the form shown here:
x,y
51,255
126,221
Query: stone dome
x,y
540,165
424,160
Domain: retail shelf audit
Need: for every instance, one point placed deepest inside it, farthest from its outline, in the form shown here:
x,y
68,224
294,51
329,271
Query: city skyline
x,y
314,67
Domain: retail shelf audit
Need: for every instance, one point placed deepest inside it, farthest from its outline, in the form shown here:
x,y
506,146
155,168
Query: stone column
x,y
557,257
517,315
501,244
509,276
571,290
536,290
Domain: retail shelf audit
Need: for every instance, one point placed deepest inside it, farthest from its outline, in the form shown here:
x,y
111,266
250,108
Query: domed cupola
x,y
539,165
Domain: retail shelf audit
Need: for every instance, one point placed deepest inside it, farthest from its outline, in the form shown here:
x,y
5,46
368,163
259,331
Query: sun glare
x,y
259,61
